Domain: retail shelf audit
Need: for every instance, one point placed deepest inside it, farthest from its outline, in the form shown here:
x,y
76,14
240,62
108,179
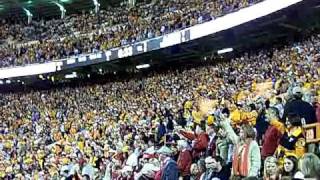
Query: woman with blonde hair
x,y
271,171
310,166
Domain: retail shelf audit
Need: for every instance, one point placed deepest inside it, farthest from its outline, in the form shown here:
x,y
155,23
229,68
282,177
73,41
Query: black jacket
x,y
301,108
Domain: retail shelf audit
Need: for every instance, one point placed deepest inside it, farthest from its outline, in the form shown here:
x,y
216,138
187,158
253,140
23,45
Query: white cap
x,y
165,151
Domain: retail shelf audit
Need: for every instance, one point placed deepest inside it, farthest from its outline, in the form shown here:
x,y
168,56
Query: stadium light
x,y
8,81
62,9
1,82
143,66
41,76
226,50
70,76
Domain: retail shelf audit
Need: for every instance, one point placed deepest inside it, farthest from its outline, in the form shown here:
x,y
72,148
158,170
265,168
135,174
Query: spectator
x,y
271,171
292,140
299,107
195,172
272,136
310,166
208,174
199,139
245,162
290,168
223,143
184,160
169,169
220,170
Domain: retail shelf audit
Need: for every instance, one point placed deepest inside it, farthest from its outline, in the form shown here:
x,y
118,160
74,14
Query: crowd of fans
x,y
56,39
240,119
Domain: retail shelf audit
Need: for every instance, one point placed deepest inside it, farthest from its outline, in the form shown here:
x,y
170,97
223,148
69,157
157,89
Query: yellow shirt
x,y
81,145
307,85
188,105
210,120
197,117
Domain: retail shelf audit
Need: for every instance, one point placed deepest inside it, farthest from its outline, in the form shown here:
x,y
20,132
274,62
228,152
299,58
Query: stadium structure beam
x,y
29,15
188,49
289,26
62,10
96,6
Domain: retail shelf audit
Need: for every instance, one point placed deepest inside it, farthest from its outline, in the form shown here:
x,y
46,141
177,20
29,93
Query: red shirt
x,y
271,141
184,162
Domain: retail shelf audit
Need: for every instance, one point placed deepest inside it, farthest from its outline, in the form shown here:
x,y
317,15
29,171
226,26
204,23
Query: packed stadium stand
x,y
86,33
247,112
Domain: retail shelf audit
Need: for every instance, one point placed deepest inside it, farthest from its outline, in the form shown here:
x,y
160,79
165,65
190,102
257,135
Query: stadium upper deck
x,y
89,32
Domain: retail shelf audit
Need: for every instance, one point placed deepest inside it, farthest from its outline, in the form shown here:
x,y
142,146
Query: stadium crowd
x,y
43,41
240,119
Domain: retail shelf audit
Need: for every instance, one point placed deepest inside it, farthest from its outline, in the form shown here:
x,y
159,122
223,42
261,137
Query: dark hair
x,y
294,119
297,96
252,107
225,111
219,159
267,103
279,99
295,166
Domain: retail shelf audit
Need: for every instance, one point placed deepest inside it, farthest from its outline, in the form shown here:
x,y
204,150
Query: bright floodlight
x,y
226,50
143,66
70,76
